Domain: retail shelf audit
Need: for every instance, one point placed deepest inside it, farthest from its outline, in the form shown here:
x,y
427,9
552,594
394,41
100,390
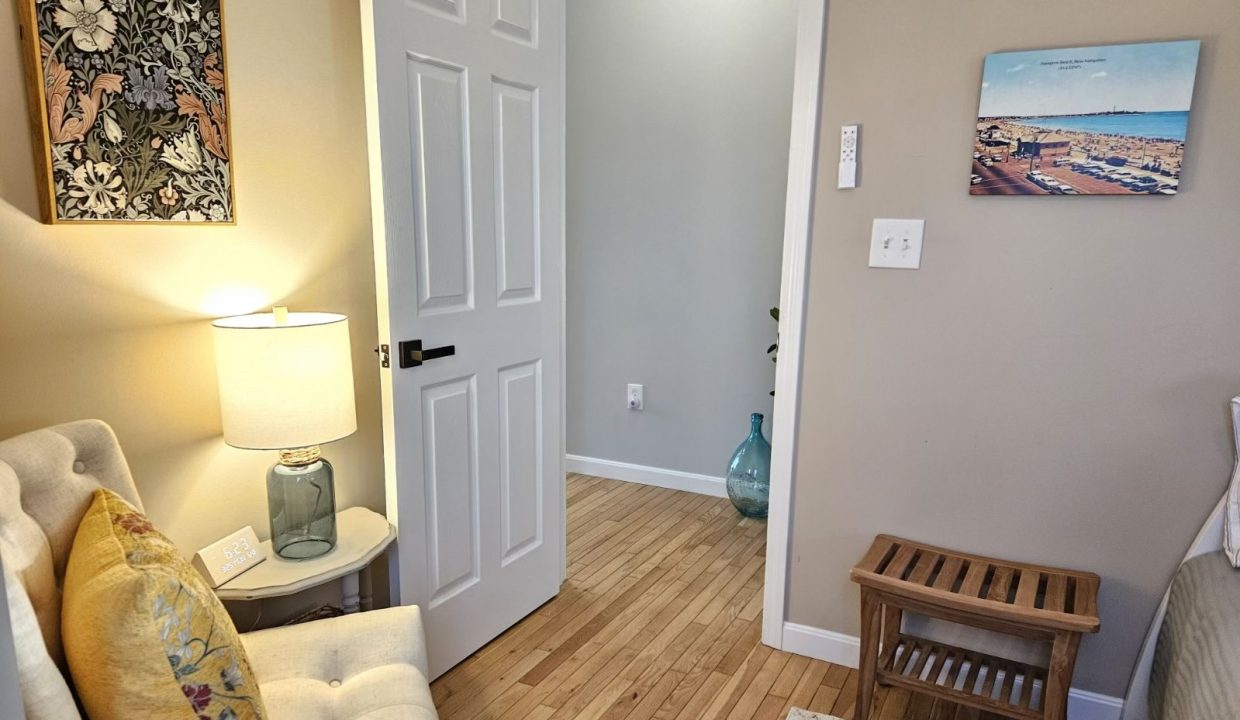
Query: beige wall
x,y
1052,385
114,322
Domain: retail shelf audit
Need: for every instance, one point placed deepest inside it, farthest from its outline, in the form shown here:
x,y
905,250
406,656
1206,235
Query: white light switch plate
x,y
896,243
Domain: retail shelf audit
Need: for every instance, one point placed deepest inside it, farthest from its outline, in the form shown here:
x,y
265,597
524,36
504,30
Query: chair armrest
x,y
338,646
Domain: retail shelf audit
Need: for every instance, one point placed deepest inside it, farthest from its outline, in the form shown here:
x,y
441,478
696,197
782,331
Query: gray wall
x,y
678,117
1052,385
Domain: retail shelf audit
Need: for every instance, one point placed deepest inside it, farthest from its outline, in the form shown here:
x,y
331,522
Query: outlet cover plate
x,y
633,396
896,243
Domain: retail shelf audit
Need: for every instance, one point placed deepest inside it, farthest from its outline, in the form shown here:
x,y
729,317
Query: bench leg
x,y
870,631
1059,675
893,617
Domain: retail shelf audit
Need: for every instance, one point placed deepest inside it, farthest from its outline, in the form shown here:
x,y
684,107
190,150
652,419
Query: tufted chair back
x,y
47,478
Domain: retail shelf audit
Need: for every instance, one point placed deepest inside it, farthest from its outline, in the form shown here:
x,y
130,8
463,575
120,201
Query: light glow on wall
x,y
229,300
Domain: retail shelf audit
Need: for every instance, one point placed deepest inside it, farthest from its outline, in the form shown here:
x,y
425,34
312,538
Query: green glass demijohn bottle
x,y
749,473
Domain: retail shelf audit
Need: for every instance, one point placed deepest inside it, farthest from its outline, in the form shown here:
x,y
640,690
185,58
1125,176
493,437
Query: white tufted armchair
x,y
369,666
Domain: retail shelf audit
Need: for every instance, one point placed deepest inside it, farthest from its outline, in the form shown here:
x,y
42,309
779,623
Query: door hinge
x,y
385,356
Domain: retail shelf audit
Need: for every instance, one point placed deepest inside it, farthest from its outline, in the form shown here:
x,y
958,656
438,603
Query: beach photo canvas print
x,y
1108,120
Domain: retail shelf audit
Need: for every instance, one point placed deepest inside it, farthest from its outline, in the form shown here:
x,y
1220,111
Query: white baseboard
x,y
647,475
843,649
833,647
1086,705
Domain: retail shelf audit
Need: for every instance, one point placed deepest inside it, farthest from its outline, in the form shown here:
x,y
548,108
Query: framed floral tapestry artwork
x,y
129,104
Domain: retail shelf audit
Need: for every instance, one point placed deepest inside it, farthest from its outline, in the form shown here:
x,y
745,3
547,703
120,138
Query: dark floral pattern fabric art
x,y
136,113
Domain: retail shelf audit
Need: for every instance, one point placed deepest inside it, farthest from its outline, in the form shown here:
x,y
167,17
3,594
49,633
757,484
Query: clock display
x,y
237,554
228,557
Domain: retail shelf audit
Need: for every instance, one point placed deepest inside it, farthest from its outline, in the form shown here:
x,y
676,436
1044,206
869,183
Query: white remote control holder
x,y
848,157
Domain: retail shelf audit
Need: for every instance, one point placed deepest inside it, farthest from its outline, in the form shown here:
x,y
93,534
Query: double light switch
x,y
896,243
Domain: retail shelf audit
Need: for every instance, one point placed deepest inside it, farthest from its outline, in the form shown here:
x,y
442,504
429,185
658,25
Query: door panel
x,y
516,20
450,9
517,237
439,136
520,456
449,422
467,97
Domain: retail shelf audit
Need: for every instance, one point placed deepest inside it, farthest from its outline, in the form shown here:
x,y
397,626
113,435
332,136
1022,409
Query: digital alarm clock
x,y
228,557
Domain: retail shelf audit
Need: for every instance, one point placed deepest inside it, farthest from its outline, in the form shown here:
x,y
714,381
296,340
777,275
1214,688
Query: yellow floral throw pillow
x,y
144,635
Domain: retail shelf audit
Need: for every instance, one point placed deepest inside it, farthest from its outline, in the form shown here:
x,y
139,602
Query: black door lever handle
x,y
411,354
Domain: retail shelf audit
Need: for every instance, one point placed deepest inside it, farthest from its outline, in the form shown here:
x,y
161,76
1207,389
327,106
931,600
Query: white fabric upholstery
x,y
1231,520
369,666
10,685
47,478
44,691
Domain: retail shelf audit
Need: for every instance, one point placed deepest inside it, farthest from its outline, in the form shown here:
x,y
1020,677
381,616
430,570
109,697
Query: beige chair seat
x,y
369,666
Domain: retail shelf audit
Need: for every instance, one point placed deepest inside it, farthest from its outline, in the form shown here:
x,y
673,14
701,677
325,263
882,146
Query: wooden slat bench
x,y
1029,601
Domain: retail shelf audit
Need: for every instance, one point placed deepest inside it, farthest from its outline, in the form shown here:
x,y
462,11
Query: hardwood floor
x,y
659,618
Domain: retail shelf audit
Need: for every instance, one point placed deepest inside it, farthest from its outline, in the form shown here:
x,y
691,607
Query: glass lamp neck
x,y
296,457
755,424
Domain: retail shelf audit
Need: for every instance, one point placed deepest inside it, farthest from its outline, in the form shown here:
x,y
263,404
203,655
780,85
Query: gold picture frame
x,y
129,107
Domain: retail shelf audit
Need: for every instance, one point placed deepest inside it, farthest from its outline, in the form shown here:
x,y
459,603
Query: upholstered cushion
x,y
143,633
47,479
43,690
367,666
1231,517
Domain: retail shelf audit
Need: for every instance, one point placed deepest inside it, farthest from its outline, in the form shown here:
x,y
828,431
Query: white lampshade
x,y
286,379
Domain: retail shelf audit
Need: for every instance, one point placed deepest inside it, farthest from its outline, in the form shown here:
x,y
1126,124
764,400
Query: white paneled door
x,y
467,96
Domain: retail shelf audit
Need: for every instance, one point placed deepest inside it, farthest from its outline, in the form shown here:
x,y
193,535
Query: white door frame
x,y
563,229
798,232
378,230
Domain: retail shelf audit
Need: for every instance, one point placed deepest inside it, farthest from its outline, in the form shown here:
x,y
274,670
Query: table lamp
x,y
286,384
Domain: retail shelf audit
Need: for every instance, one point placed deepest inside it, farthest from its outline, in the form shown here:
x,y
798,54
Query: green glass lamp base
x,y
301,503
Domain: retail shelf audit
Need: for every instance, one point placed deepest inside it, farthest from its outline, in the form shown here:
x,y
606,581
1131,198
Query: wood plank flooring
x,y
659,619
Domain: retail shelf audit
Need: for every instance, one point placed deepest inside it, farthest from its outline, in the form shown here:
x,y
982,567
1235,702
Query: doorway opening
x,y
578,201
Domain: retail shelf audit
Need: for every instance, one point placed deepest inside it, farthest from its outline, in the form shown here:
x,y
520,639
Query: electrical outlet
x,y
633,398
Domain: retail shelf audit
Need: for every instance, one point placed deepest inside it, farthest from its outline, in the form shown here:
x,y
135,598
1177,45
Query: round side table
x,y
361,536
